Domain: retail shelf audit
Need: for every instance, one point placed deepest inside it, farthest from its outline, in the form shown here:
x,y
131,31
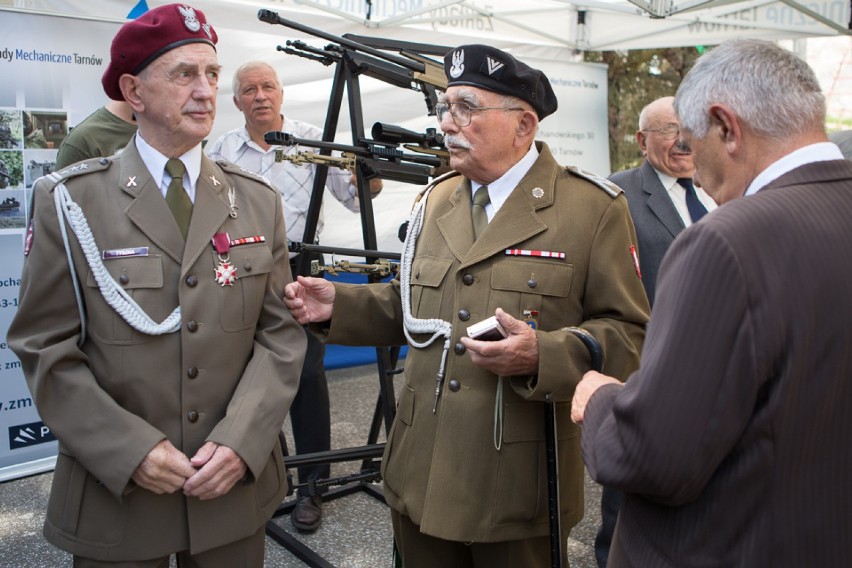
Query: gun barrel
x,y
278,138
398,135
271,17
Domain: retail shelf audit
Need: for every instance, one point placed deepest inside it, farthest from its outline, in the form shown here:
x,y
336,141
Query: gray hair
x,y
768,87
250,66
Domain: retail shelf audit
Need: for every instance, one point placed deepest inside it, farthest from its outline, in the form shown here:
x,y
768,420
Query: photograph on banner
x,y
44,129
11,129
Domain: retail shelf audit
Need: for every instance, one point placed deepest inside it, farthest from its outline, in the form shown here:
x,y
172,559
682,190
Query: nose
x,y
204,88
681,145
447,123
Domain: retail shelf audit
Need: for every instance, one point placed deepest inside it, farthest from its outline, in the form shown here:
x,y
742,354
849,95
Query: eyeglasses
x,y
461,112
668,131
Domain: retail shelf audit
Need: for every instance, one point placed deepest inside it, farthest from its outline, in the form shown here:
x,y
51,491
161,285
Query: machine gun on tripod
x,y
385,263
409,69
375,158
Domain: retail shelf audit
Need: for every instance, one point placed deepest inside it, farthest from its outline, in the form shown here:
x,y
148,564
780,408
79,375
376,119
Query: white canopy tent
x,y
580,25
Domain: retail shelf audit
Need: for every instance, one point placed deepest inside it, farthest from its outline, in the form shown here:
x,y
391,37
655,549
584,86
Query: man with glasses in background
x,y
662,197
663,201
513,235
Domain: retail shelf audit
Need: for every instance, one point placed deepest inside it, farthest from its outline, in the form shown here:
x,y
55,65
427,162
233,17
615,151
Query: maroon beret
x,y
141,41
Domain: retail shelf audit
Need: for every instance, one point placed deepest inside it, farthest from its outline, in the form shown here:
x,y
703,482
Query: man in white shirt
x,y
258,94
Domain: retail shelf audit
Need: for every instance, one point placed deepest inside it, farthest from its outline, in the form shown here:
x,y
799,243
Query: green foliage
x,y
635,79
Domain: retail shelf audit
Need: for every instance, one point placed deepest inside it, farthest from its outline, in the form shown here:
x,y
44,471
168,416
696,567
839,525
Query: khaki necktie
x,y
477,211
176,196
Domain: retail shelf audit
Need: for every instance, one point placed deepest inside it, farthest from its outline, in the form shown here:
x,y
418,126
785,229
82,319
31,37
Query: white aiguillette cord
x,y
411,325
437,327
113,293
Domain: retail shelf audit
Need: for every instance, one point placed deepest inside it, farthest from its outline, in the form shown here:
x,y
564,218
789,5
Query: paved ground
x,y
356,530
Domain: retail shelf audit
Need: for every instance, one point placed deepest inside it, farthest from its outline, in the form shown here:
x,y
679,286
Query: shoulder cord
x,y
113,294
437,327
411,325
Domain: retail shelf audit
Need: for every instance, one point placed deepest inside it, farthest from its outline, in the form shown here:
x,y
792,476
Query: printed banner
x,y
52,80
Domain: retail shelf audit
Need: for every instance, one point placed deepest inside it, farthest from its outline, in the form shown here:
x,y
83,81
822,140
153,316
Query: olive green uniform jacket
x,y
443,469
227,376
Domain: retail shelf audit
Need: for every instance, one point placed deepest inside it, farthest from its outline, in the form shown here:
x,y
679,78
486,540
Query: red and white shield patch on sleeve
x,y
28,239
635,260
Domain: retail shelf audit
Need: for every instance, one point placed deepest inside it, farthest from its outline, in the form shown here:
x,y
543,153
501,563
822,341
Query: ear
x,y
237,103
130,88
727,126
527,126
642,140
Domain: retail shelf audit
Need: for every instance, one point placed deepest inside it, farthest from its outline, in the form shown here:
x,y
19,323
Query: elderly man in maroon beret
x,y
164,360
510,234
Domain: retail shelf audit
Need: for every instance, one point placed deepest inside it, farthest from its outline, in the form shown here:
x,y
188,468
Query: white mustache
x,y
453,140
205,108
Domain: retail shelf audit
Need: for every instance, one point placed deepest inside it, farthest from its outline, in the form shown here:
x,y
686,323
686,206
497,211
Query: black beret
x,y
139,42
494,70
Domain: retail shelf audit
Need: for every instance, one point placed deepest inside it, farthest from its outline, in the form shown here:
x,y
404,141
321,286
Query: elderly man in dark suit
x,y
509,234
731,441
164,360
662,198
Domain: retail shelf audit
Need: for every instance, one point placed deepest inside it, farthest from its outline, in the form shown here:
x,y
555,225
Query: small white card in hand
x,y
487,330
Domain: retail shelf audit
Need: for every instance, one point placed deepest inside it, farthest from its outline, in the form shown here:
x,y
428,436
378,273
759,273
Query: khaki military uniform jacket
x,y
443,469
227,376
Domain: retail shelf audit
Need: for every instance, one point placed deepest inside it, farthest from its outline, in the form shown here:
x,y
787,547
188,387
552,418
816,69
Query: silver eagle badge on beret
x,y
458,64
190,20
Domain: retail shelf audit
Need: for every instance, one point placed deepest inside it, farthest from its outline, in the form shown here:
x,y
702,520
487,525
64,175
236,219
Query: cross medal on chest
x,y
225,273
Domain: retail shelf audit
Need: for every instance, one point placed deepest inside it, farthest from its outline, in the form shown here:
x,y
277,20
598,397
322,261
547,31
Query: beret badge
x,y
190,20
457,67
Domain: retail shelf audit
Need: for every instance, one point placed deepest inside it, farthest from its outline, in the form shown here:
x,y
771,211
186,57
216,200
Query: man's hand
x,y
220,468
591,382
376,185
164,469
309,299
515,355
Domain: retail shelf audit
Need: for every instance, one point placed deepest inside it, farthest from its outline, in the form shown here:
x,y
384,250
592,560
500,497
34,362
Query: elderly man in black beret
x,y
164,360
509,234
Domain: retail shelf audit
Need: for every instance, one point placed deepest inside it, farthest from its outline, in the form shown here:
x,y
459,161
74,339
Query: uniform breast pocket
x,y
142,278
533,291
240,304
427,274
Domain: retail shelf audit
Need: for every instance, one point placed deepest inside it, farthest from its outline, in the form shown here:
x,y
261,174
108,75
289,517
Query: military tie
x,y
695,207
477,211
176,196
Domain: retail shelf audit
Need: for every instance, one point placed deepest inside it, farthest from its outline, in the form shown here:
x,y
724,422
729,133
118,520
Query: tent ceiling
x,y
567,26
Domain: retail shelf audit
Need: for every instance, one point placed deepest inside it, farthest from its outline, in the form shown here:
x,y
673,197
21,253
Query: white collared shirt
x,y
156,164
500,189
677,193
293,181
819,152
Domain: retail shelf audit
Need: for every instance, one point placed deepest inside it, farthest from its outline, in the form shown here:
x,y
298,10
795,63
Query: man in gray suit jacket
x,y
656,191
731,441
657,194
